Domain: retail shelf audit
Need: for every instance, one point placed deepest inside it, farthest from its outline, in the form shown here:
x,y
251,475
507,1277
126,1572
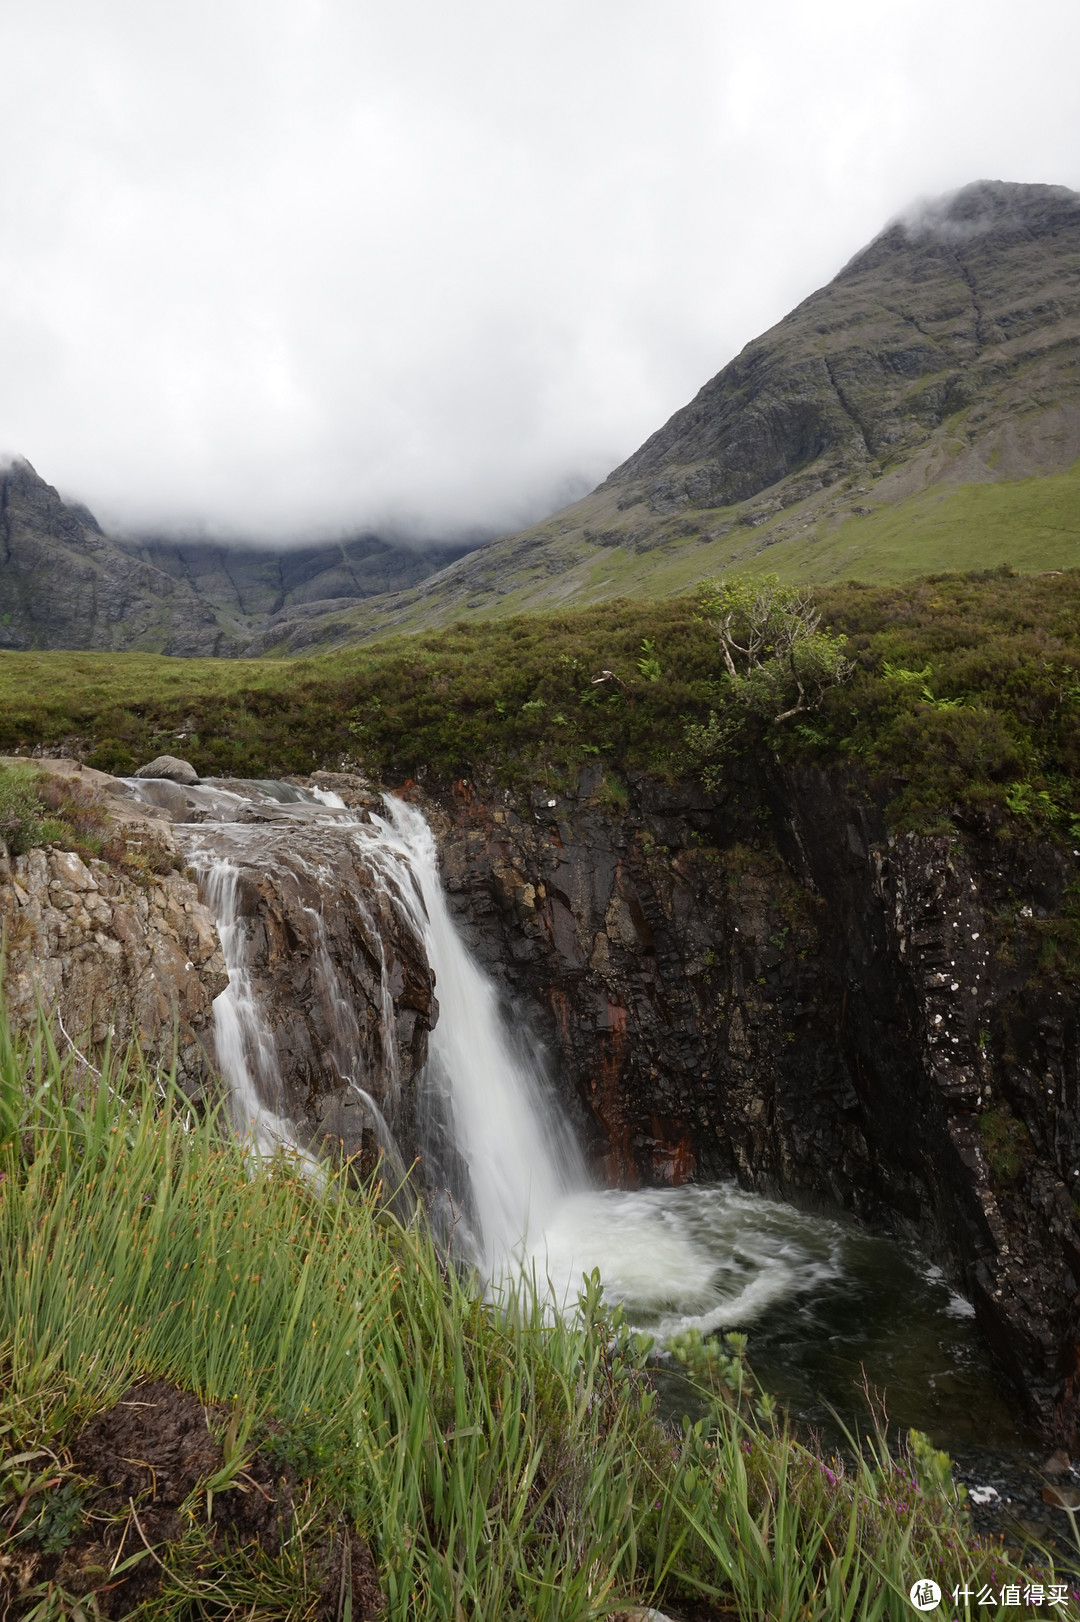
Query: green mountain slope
x,y
920,413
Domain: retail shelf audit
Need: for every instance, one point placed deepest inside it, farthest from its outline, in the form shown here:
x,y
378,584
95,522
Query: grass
x,y
1030,524
965,703
39,808
497,1463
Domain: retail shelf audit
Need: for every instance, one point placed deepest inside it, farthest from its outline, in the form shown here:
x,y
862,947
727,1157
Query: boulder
x,y
172,768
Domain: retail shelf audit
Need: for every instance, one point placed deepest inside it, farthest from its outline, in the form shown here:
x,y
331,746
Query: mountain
x,y
921,412
64,583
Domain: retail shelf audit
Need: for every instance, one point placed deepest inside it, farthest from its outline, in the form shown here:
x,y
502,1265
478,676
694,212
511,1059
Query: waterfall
x,y
498,1156
507,1180
244,1048
491,1099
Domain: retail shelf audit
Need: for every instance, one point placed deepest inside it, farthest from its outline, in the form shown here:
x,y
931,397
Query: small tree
x,y
780,663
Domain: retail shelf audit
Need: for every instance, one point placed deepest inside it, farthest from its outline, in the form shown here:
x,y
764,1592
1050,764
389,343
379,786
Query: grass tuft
x,y
496,1463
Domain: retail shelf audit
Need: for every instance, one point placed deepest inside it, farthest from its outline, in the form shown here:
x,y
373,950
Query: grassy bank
x,y
966,694
372,1437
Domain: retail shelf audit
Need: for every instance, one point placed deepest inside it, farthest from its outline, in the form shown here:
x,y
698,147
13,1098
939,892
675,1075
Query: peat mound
x,y
131,1510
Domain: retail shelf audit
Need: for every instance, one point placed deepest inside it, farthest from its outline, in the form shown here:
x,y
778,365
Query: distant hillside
x,y
921,412
64,583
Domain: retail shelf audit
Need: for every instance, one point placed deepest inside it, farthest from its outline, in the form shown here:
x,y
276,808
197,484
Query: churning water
x,y
827,1306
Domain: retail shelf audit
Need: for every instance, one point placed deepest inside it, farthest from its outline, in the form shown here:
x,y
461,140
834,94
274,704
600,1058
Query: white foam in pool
x,y
702,1258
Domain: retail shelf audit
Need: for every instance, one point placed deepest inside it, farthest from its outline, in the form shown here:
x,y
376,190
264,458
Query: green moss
x,y
612,793
1006,1144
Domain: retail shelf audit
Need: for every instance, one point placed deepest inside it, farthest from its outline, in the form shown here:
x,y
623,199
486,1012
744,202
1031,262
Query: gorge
x,y
761,991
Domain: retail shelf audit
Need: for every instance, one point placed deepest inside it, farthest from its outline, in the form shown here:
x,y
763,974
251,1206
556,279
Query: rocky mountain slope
x,y
64,583
919,413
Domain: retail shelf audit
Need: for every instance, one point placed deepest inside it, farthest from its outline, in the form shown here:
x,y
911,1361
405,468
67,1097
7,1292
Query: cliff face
x,y
64,583
782,992
103,955
970,302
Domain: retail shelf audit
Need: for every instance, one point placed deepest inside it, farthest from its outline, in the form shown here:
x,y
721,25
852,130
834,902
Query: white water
x,y
521,1161
244,1049
677,1258
518,1193
704,1257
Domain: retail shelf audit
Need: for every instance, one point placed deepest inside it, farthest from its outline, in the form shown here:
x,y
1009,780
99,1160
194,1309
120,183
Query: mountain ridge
x,y
918,413
66,583
899,382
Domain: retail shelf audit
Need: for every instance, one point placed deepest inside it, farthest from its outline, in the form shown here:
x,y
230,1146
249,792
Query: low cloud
x,y
290,269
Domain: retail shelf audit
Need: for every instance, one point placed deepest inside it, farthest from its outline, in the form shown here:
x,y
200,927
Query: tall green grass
x,y
500,1463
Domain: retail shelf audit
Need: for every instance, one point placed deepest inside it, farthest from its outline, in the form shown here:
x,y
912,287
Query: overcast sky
x,y
285,265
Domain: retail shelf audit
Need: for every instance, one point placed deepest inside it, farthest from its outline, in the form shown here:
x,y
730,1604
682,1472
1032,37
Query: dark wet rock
x,y
771,986
171,768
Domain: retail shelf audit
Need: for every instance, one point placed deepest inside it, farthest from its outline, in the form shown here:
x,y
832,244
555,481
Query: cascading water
x,y
822,1296
519,1158
245,1051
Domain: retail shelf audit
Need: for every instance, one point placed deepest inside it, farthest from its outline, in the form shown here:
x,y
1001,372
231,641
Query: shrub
x,y
112,756
21,809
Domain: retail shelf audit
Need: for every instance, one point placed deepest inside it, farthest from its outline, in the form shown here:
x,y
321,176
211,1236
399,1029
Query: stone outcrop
x,y
770,985
104,956
342,988
171,768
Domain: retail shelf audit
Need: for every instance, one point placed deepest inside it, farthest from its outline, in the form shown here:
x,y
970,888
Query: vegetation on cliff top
x,y
965,699
226,1392
40,808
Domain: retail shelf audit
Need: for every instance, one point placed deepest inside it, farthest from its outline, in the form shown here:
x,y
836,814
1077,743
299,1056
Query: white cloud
x,y
284,264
